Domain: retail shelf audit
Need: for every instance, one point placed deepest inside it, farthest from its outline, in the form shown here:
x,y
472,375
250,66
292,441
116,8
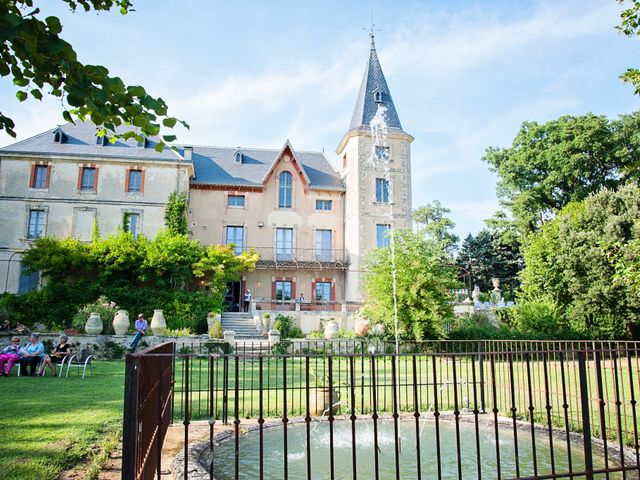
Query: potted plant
x,y
322,397
266,323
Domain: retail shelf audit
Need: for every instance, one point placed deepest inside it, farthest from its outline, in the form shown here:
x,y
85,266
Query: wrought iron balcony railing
x,y
286,257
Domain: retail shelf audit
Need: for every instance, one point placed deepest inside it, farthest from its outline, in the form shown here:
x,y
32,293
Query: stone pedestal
x,y
274,337
229,336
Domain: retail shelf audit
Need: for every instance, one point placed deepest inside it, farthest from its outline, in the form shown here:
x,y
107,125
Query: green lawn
x,y
50,424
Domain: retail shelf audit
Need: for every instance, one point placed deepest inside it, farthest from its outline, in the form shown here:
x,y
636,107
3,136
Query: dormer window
x,y
101,140
59,136
143,142
237,156
377,96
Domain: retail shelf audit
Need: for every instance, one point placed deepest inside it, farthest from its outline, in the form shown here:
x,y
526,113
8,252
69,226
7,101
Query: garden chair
x,y
81,361
19,366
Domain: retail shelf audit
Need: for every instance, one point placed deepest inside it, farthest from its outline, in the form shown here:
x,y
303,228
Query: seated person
x,y
30,355
57,356
9,356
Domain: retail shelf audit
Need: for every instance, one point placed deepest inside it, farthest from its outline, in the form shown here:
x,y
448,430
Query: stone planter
x,y
229,337
362,328
266,325
331,329
94,324
121,322
274,337
211,319
320,402
158,323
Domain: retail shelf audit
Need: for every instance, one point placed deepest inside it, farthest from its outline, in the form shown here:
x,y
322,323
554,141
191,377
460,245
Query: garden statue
x,y
476,294
496,294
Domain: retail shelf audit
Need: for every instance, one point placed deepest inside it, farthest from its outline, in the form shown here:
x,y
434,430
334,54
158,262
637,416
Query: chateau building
x,y
312,224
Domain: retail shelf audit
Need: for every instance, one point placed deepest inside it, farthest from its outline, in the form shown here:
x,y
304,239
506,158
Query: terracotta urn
x,y
362,328
121,322
331,329
158,323
94,324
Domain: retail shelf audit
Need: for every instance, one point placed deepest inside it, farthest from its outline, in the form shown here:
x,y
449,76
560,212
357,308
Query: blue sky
x,y
464,75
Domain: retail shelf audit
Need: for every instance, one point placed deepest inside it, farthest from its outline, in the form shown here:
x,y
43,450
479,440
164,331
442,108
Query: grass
x,y
51,424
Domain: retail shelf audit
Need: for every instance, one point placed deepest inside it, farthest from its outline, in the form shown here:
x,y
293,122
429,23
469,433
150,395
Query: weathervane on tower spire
x,y
371,30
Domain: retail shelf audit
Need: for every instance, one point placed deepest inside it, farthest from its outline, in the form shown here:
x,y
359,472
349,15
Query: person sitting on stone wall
x,y
57,356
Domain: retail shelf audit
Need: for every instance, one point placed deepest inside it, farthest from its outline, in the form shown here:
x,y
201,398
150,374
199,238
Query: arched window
x,y
284,192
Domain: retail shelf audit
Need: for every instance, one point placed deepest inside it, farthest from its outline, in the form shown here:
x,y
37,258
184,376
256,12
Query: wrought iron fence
x,y
441,410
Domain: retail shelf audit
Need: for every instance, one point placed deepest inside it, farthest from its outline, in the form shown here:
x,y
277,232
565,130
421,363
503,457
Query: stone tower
x,y
376,169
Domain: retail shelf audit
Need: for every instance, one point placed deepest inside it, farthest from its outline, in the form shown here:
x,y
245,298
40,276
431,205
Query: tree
x,y
34,55
577,262
630,26
424,281
175,214
561,161
434,224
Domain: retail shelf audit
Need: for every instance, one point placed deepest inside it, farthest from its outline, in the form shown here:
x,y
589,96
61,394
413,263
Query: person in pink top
x,y
9,356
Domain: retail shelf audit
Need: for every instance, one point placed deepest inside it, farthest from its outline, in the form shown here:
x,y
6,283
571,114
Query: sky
x,y
463,74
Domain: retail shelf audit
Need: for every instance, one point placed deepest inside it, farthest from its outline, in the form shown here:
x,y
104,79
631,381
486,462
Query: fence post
x,y
586,423
130,418
225,383
481,367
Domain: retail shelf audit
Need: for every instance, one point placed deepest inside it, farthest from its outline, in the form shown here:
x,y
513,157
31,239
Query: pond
x,y
224,458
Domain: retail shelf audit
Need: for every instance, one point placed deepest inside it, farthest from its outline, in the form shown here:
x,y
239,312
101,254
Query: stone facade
x,y
43,194
311,224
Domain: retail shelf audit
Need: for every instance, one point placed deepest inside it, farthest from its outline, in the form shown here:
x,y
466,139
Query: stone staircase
x,y
242,324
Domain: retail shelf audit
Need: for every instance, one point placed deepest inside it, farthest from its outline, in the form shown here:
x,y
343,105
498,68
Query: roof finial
x,y
371,30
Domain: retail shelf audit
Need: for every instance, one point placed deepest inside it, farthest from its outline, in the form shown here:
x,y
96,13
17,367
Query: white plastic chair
x,y
83,361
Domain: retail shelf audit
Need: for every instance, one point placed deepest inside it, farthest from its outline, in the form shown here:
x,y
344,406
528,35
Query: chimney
x,y
187,153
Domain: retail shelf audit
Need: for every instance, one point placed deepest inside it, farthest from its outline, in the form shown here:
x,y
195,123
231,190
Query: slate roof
x,y
213,165
81,142
366,105
216,166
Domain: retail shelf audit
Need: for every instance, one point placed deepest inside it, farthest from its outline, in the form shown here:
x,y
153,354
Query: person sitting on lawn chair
x,y
30,355
57,356
9,356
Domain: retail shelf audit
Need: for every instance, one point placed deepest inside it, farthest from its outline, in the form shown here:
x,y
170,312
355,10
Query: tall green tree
x,y
550,165
434,223
630,26
577,262
424,281
489,255
40,62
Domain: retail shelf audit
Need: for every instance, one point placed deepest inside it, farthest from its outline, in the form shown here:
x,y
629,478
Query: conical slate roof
x,y
373,92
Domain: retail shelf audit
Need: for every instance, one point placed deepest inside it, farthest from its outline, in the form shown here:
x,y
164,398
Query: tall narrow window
x,y
235,237
323,245
323,292
87,179
28,281
35,228
135,181
40,176
133,223
382,190
284,193
382,239
284,244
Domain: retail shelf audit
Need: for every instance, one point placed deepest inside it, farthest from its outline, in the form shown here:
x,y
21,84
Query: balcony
x,y
301,258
